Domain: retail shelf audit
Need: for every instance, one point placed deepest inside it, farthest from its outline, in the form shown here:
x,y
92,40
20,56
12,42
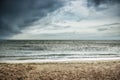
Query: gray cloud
x,y
104,4
102,29
19,14
111,27
99,2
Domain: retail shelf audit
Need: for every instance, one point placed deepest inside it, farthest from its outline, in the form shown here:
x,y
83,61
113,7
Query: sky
x,y
60,19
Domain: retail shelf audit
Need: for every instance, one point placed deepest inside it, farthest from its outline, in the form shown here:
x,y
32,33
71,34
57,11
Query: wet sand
x,y
89,70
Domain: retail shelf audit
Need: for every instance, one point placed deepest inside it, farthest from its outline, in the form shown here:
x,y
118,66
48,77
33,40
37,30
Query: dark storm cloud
x,y
99,2
18,14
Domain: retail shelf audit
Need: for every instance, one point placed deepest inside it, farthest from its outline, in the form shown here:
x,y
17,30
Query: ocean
x,y
58,50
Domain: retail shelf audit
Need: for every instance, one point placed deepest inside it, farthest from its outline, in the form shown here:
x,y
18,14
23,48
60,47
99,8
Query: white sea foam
x,y
62,60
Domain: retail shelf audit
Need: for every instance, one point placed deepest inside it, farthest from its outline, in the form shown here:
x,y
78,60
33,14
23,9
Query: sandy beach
x,y
89,70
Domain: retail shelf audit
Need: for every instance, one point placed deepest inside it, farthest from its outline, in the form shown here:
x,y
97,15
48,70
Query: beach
x,y
81,70
59,60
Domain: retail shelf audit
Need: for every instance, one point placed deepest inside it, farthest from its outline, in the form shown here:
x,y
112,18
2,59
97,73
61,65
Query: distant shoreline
x,y
62,61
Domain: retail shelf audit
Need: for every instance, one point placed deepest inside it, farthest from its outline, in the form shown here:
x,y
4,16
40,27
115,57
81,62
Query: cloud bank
x,y
61,19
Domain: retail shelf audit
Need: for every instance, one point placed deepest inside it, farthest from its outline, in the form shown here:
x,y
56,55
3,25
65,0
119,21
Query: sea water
x,y
58,50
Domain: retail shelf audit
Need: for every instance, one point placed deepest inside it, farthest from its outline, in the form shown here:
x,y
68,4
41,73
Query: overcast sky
x,y
60,19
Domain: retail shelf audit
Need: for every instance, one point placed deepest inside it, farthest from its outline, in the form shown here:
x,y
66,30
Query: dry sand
x,y
94,70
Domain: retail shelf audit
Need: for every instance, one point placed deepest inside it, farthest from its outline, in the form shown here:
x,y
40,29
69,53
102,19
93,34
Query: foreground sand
x,y
104,70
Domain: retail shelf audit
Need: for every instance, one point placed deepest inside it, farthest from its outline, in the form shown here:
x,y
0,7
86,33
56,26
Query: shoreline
x,y
62,61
